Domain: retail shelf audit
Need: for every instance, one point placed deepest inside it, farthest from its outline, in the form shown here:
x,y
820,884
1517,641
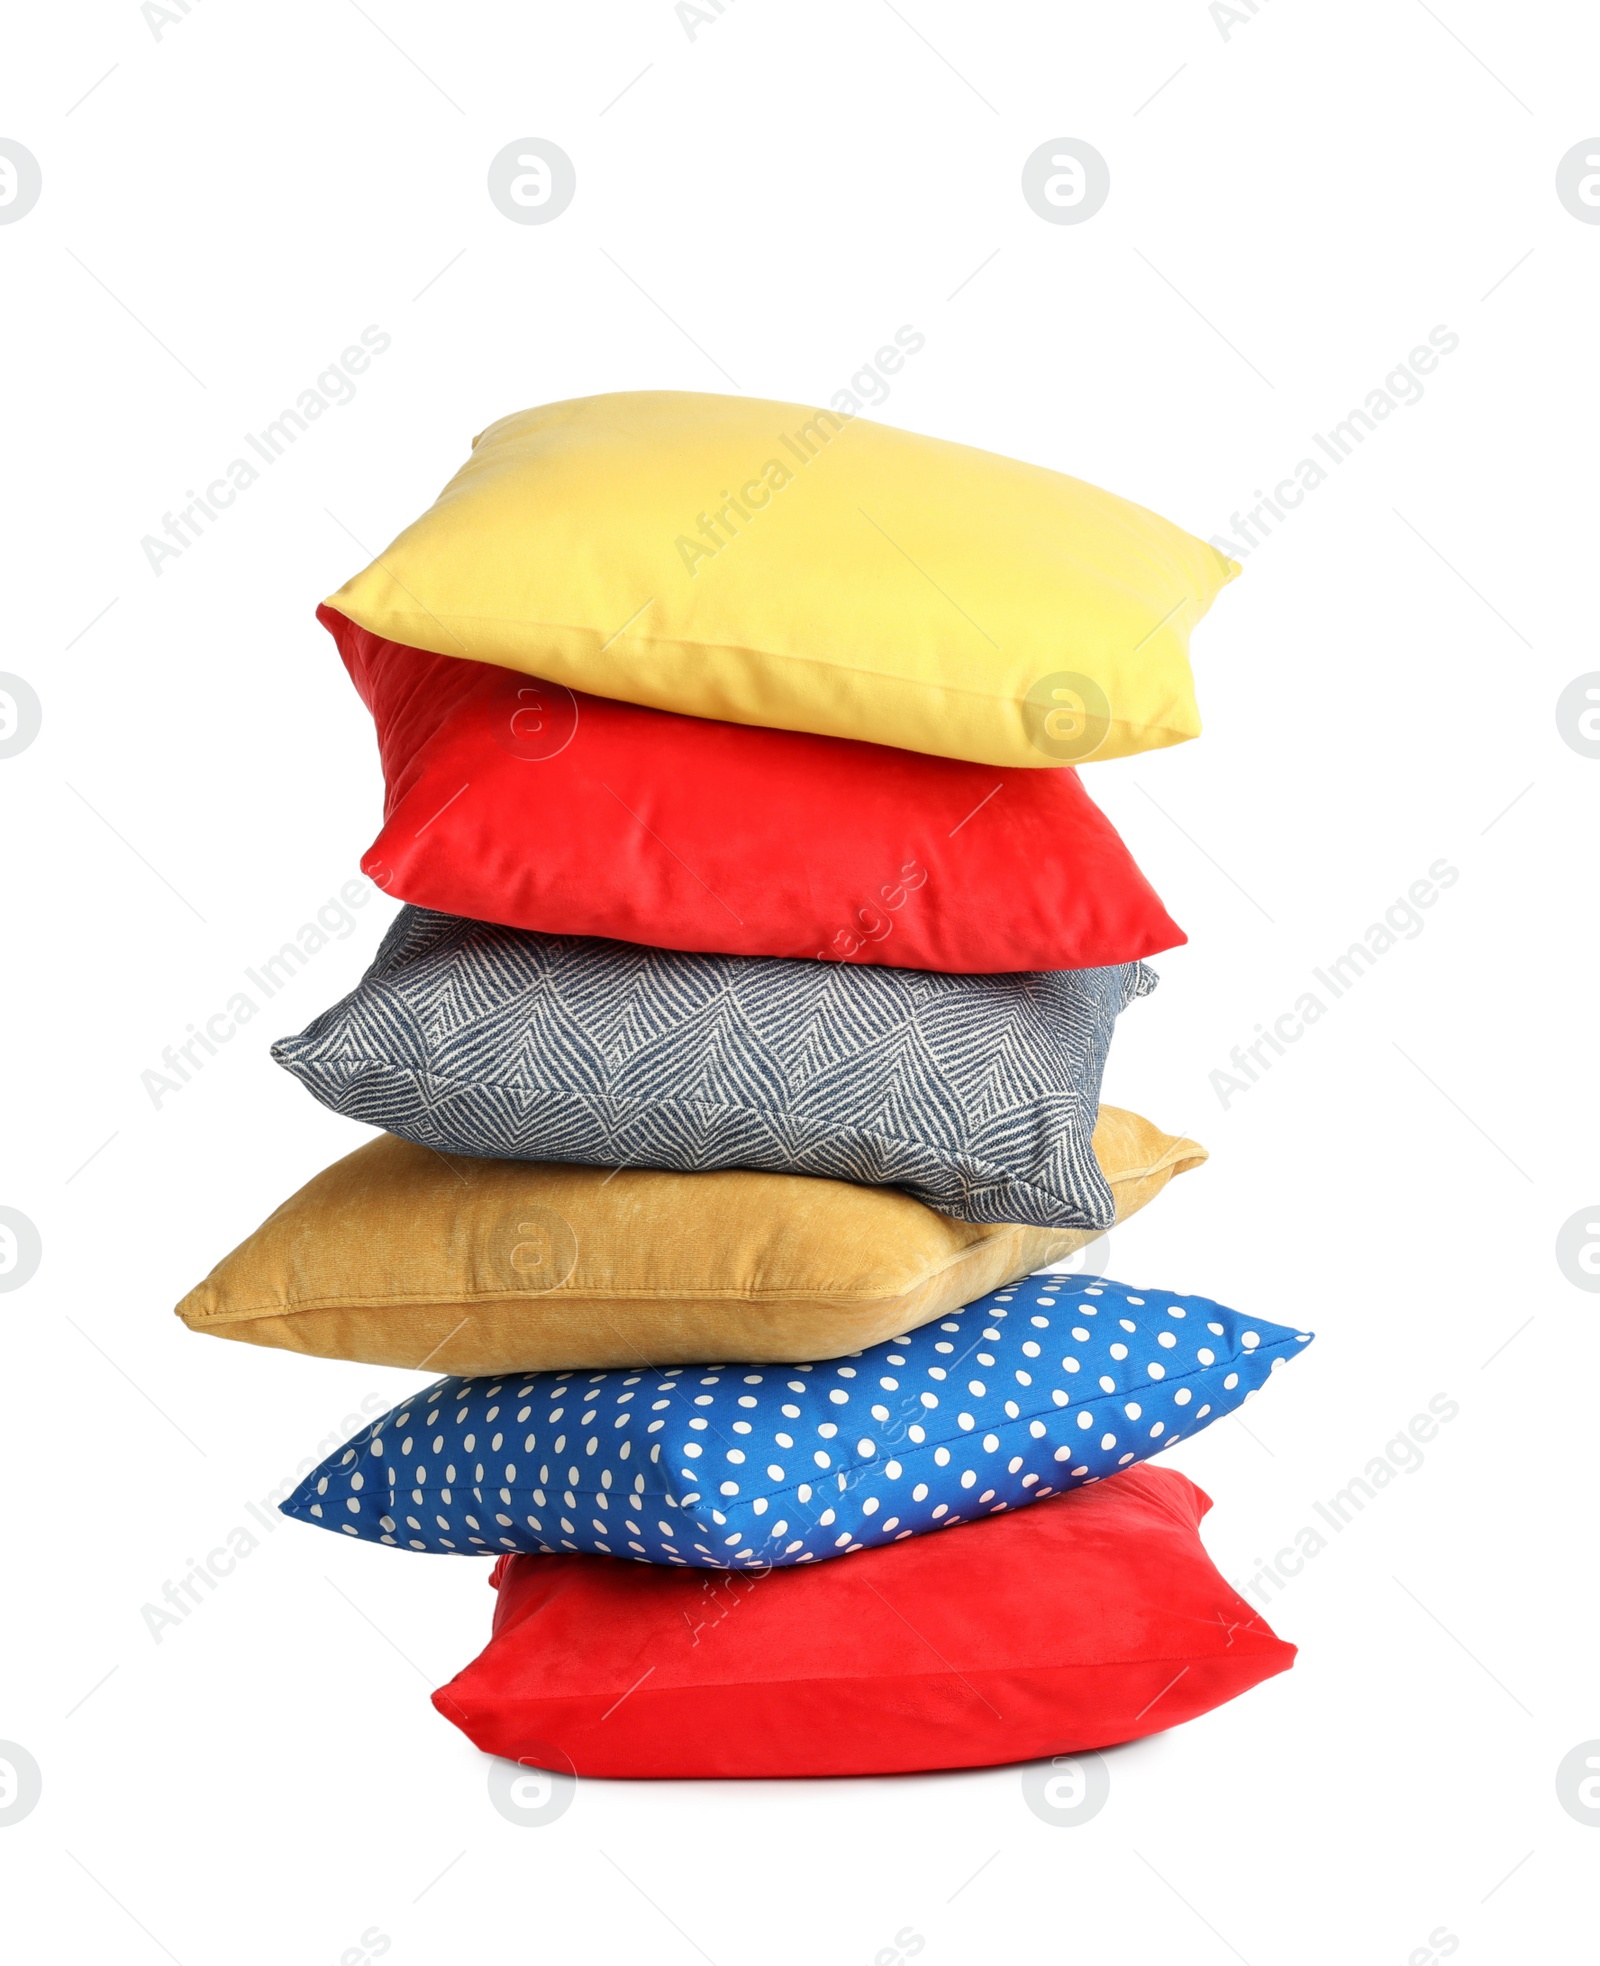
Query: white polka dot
x,y
458,1424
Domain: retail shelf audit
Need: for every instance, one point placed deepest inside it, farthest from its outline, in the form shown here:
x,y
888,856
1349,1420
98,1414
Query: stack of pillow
x,y
738,1058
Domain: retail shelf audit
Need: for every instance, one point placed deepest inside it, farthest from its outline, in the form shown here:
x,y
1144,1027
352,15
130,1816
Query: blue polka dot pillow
x,y
1036,1388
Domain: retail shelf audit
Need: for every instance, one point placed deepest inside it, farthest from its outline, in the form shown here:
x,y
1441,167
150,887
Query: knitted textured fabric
x,y
976,1094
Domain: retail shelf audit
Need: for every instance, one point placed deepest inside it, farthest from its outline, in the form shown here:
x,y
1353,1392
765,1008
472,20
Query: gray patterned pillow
x,y
976,1094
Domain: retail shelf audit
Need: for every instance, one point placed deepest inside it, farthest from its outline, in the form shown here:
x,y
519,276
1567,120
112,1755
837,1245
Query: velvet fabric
x,y
397,1255
768,564
1085,1620
517,801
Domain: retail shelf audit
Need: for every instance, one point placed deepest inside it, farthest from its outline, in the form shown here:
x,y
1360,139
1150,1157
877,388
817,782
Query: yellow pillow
x,y
400,1256
764,563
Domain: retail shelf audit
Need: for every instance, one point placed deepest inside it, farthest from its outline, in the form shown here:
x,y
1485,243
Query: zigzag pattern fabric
x,y
976,1094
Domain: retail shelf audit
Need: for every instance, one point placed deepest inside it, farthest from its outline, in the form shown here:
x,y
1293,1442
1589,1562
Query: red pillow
x,y
517,801
1090,1618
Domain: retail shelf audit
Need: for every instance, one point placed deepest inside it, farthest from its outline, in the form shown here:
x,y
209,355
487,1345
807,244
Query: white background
x,y
1303,200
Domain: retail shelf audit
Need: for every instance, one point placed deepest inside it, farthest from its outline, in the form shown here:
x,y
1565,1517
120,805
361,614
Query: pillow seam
x,y
763,655
859,1679
1030,1190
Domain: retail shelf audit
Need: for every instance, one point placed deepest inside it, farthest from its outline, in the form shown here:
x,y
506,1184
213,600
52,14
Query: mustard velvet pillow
x,y
803,569
398,1255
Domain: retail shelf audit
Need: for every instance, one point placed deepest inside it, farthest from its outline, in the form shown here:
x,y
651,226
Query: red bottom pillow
x,y
1091,1618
